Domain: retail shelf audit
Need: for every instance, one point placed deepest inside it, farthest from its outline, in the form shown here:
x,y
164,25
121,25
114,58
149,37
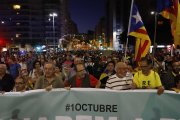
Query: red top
x,y
93,81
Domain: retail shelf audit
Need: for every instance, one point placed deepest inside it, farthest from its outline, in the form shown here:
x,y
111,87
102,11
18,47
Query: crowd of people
x,y
90,69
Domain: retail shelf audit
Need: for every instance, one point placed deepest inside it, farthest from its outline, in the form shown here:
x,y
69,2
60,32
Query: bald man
x,y
120,80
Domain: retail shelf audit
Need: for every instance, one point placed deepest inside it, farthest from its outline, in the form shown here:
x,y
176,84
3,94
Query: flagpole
x,y
130,16
155,32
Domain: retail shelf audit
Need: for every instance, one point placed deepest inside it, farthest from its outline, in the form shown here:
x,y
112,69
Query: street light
x,y
152,12
53,15
155,31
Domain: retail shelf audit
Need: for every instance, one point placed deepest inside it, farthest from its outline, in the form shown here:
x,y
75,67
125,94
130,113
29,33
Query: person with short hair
x,y
120,80
168,77
177,84
14,67
6,80
20,85
58,71
49,79
82,79
66,72
147,78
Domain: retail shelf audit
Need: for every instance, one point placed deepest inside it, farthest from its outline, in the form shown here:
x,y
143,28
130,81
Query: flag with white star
x,y
136,20
138,30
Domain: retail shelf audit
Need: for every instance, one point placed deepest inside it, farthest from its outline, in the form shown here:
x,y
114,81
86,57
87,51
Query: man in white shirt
x,y
120,81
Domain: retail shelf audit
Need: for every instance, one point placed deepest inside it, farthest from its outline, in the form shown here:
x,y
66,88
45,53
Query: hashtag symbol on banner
x,y
67,107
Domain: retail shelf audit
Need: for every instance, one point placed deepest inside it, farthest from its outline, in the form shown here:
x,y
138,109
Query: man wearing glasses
x,y
20,85
147,78
82,79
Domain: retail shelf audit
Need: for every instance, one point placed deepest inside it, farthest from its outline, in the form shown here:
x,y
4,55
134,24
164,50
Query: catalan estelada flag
x,y
170,9
177,31
138,30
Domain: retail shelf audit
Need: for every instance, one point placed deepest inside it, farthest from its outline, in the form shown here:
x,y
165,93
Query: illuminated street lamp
x,y
53,15
16,7
155,30
152,12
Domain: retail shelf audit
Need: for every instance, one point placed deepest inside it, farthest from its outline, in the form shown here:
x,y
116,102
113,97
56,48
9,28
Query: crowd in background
x,y
90,69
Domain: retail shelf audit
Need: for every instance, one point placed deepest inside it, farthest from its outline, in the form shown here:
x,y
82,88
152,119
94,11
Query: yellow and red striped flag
x,y
170,9
138,30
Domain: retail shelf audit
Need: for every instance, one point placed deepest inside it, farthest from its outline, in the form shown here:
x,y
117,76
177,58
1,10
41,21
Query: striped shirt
x,y
117,83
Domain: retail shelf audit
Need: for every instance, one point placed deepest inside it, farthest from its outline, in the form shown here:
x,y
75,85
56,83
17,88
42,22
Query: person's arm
x,y
160,90
176,90
93,81
134,84
98,84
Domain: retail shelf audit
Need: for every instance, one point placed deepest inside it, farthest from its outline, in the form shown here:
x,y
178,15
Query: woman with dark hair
x,y
109,70
37,70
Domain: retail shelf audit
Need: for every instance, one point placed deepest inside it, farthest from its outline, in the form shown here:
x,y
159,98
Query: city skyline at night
x,y
32,23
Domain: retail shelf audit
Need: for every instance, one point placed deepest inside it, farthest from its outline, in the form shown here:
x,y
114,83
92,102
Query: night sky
x,y
86,13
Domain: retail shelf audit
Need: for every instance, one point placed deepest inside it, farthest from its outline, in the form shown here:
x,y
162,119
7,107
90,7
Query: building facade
x,y
100,35
117,16
29,22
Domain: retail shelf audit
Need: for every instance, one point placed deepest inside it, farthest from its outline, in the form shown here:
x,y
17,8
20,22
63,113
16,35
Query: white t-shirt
x,y
117,83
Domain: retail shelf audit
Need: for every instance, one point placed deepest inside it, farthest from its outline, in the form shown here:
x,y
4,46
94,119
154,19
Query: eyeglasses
x,y
19,83
81,70
123,68
144,66
67,67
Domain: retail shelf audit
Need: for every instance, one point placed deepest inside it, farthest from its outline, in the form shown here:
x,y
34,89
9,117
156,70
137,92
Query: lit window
x,y
18,35
17,23
4,49
16,7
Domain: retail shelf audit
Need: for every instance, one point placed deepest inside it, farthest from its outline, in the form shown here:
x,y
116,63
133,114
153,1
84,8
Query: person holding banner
x,y
120,80
168,77
20,85
177,82
6,80
147,78
82,79
49,80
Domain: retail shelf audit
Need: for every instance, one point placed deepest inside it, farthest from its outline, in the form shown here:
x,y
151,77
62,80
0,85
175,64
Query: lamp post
x,y
53,15
155,32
